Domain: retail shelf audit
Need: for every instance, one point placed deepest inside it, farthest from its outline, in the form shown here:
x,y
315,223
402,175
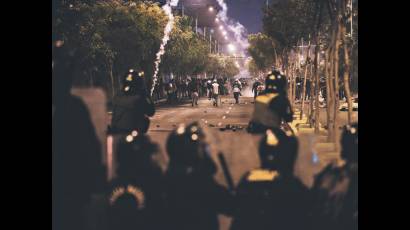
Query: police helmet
x,y
133,82
127,205
278,151
186,146
135,152
275,81
350,142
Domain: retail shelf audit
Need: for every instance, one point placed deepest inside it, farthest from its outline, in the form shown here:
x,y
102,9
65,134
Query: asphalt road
x,y
239,148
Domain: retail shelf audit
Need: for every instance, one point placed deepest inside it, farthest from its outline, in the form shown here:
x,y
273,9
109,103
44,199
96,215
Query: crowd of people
x,y
186,196
178,89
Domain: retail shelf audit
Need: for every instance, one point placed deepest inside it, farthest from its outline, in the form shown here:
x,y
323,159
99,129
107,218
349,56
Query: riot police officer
x,y
132,106
193,196
136,194
271,197
77,169
272,107
335,190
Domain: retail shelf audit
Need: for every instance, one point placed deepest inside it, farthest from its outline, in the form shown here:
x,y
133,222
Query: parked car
x,y
355,105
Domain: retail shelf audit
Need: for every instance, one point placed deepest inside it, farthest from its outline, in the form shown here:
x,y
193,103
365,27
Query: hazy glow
x,y
231,47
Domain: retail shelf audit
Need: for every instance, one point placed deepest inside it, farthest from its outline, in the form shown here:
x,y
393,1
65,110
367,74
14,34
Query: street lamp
x,y
221,27
224,32
216,20
211,9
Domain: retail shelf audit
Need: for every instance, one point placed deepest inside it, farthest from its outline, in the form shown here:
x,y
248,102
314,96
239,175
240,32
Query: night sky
x,y
247,12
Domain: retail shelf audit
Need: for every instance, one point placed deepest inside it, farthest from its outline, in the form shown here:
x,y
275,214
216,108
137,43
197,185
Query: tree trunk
x,y
293,79
329,92
311,96
336,82
276,58
316,76
304,83
112,81
346,73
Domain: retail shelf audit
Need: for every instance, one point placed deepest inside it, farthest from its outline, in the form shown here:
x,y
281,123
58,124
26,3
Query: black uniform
x,y
77,170
271,197
335,191
336,198
132,106
266,200
136,195
194,198
272,107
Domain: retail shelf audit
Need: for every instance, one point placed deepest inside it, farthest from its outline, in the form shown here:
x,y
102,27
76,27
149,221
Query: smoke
x,y
168,28
238,30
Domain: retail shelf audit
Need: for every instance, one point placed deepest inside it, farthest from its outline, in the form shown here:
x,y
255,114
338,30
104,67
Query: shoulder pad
x,y
266,98
136,192
262,175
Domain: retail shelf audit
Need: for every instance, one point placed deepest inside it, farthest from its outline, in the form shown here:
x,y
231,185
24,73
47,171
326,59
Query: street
x,y
116,62
239,147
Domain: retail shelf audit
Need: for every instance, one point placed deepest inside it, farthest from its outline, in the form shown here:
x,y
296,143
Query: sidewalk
x,y
315,152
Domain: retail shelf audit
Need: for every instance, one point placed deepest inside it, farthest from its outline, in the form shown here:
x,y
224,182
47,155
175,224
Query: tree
x,y
288,21
253,69
109,37
229,68
186,52
262,50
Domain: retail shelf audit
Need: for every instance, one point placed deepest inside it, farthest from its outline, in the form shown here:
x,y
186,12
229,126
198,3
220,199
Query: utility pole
x,y
204,32
196,24
210,43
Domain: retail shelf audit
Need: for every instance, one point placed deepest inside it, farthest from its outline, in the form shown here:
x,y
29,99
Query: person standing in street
x,y
255,87
209,88
194,90
215,92
237,86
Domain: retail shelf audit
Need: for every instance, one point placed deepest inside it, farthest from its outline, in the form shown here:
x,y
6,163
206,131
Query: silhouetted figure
x,y
136,194
77,170
237,87
209,88
132,106
215,92
255,87
193,196
271,197
272,107
193,88
335,189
